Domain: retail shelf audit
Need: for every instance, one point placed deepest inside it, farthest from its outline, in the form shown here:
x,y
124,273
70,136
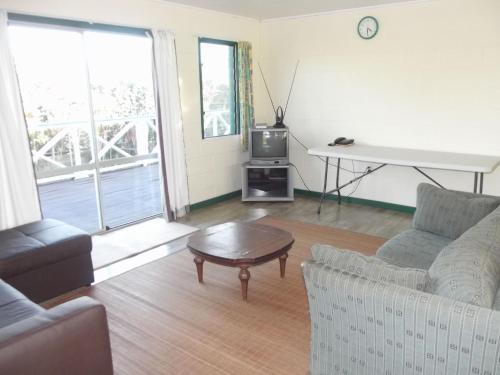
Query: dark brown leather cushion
x,y
38,244
14,306
69,339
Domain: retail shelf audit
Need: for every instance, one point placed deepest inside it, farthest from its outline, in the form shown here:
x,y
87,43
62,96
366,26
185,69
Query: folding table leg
x,y
324,185
339,197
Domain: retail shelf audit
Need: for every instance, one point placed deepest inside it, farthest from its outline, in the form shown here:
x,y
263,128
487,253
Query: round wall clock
x,y
368,27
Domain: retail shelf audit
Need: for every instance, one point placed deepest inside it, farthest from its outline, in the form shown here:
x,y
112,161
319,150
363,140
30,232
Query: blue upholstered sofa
x,y
426,303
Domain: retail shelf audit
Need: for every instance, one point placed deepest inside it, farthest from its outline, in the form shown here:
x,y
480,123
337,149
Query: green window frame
x,y
222,121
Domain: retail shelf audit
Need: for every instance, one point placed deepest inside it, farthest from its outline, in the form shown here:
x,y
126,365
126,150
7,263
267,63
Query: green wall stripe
x,y
360,201
212,201
312,194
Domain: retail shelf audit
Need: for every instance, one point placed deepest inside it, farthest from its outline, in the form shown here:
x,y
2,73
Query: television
x,y
268,146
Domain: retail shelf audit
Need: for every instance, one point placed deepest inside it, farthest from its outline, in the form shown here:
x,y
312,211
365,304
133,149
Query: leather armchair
x,y
71,338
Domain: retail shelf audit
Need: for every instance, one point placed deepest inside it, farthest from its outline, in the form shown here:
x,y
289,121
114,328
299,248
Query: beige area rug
x,y
123,243
162,321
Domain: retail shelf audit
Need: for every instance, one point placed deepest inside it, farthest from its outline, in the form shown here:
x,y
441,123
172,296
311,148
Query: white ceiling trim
x,y
349,10
212,11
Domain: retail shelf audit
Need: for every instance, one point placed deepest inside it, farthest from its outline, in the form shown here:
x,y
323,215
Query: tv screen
x,y
269,144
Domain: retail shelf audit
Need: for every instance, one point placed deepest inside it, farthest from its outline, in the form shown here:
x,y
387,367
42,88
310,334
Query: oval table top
x,y
236,243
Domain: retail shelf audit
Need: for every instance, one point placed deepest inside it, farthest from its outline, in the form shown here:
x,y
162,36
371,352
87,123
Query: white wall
x,y
213,164
429,80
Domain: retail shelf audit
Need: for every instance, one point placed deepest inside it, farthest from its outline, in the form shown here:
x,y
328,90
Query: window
x,y
219,113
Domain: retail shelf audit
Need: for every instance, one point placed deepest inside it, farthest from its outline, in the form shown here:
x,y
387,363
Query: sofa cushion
x,y
449,213
413,249
496,301
14,306
38,244
370,267
468,269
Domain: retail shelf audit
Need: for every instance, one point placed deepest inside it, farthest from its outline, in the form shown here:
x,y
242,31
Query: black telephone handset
x,y
341,141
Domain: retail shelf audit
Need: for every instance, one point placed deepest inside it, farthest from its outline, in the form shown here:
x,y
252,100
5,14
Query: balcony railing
x,y
217,122
65,149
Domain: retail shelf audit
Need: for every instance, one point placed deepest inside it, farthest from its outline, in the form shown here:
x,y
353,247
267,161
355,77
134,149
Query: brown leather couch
x,y
46,258
71,338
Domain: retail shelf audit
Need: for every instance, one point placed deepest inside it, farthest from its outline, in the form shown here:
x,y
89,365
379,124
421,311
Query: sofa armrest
x,y
359,326
71,338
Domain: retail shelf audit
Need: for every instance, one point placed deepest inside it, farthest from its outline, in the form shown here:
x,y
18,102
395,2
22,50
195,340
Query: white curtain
x,y
18,192
168,103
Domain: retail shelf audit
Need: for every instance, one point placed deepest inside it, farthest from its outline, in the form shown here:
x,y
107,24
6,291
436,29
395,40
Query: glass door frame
x,y
95,166
93,130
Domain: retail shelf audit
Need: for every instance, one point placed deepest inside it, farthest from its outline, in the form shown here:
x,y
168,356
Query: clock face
x,y
367,27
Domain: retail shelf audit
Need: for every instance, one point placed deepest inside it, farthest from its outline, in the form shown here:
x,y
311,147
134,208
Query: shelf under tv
x,y
266,183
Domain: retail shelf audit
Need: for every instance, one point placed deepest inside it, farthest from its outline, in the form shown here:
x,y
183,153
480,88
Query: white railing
x,y
72,157
215,120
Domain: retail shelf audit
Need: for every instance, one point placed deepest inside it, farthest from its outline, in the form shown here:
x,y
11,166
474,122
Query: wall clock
x,y
368,27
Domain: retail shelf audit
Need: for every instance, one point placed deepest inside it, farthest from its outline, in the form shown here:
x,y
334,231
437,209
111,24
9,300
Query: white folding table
x,y
416,159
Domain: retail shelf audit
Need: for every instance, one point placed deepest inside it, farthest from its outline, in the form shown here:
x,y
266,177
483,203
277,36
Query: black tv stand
x,y
266,183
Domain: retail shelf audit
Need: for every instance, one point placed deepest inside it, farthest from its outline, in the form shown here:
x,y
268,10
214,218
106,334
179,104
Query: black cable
x,y
358,183
355,173
354,190
303,182
319,157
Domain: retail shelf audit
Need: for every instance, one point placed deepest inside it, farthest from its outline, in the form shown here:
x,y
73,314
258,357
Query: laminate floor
x,y
363,219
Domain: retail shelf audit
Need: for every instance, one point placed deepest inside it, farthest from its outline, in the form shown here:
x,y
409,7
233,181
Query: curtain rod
x,y
17,17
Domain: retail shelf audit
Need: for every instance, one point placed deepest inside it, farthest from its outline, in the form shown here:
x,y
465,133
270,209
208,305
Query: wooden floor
x,y
162,321
362,219
129,195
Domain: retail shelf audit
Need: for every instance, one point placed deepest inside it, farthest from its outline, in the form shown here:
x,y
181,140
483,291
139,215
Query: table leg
x,y
339,196
199,267
244,277
475,182
481,177
283,264
325,182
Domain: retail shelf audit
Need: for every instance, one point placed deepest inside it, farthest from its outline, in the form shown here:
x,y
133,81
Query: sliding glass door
x,y
120,70
90,112
51,69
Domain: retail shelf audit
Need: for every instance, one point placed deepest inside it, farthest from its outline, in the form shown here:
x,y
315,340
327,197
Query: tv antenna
x,y
267,88
278,112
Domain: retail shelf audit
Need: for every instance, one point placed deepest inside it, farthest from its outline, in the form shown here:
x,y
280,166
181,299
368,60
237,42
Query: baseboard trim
x,y
360,201
218,199
312,194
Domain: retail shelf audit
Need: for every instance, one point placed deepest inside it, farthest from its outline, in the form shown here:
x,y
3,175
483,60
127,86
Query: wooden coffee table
x,y
240,245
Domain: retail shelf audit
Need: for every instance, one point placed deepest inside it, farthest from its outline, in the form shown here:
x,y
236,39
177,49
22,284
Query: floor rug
x,y
162,321
123,243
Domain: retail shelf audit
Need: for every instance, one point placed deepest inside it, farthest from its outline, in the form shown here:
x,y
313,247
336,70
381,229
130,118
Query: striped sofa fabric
x,y
370,267
367,320
361,326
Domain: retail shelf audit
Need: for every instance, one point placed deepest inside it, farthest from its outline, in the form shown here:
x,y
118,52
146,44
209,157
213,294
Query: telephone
x,y
341,141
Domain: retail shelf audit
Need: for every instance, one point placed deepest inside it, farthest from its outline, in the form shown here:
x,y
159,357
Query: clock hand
x,y
368,31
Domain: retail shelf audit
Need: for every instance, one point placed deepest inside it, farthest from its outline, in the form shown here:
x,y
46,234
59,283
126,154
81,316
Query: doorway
x,y
91,118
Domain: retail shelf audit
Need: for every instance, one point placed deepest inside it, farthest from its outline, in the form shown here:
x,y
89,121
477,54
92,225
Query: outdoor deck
x,y
128,195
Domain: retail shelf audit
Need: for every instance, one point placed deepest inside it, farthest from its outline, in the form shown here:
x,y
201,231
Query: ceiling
x,y
265,9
